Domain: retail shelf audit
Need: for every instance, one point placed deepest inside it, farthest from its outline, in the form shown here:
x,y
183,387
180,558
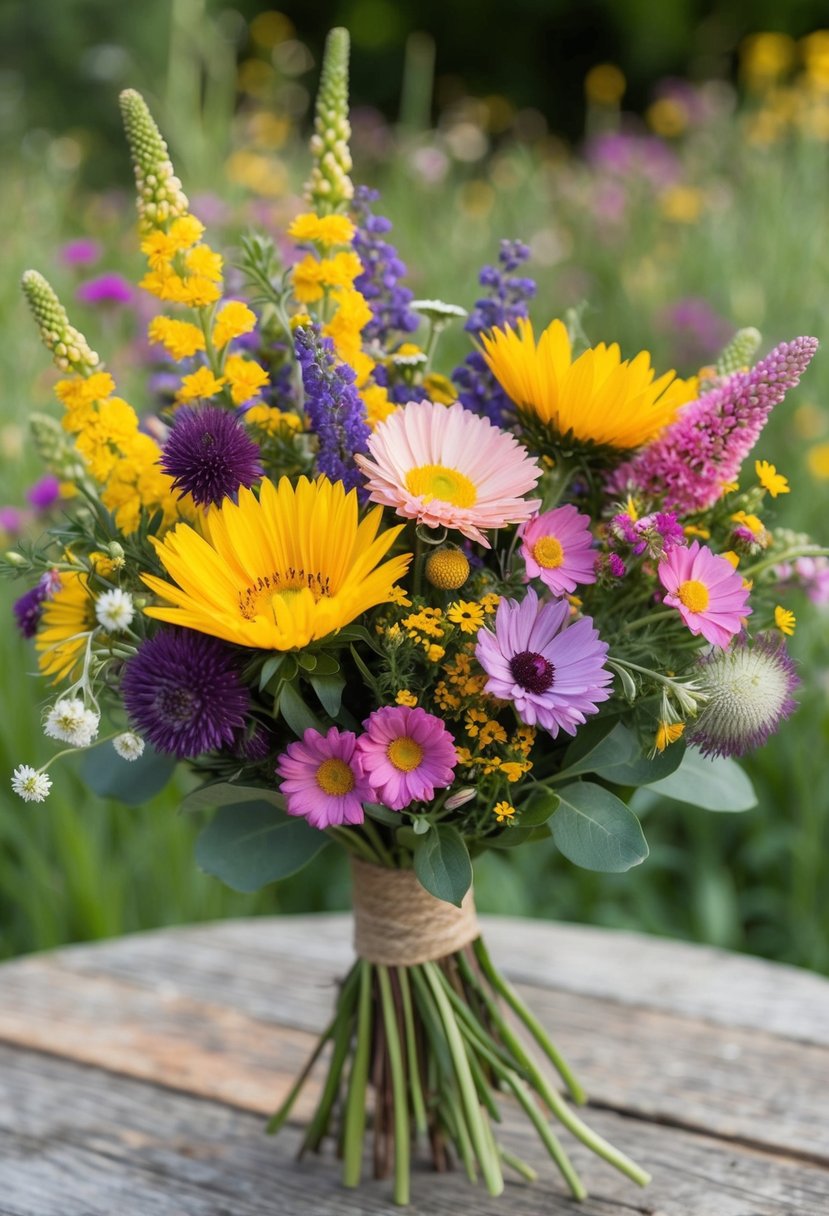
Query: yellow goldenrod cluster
x,y
115,453
790,80
272,421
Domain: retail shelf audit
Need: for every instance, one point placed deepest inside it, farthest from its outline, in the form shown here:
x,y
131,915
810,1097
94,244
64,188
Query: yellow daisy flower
x,y
770,479
280,572
199,384
785,620
503,811
597,398
245,378
232,320
67,620
467,614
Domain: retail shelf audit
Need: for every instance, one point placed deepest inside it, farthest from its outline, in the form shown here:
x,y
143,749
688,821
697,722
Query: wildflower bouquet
x,y
417,615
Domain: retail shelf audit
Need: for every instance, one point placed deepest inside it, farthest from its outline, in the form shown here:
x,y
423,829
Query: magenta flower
x,y
707,590
323,778
557,547
81,252
554,673
108,288
407,755
44,493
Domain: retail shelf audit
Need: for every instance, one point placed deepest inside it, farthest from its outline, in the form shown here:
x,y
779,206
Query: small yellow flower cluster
x,y
123,460
272,421
405,697
183,269
504,812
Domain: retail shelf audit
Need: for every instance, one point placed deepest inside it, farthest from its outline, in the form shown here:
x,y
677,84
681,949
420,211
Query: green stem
x,y
353,842
381,853
549,1139
344,1019
525,1015
398,1085
662,615
355,1105
418,1105
778,559
515,1163
279,1116
490,1166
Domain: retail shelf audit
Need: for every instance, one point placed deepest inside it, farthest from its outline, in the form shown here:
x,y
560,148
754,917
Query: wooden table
x,y
134,1075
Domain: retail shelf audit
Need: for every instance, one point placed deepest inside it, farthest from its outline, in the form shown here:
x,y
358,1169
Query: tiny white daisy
x,y
129,746
115,610
71,722
438,309
30,784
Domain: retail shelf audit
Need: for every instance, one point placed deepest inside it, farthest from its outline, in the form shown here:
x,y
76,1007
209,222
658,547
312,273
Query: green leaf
x,y
711,785
594,829
382,814
130,781
642,769
442,865
510,837
269,669
329,689
327,664
541,804
365,673
598,744
307,660
253,843
295,712
225,793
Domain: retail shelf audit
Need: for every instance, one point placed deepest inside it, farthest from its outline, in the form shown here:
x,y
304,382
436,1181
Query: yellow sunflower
x,y
280,572
67,619
597,398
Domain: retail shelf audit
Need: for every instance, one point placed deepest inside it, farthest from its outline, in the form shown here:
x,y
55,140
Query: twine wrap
x,y
398,923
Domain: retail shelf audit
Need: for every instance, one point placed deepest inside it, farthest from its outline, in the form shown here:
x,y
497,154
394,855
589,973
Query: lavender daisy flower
x,y
507,299
107,288
553,673
704,448
183,693
334,408
379,283
749,690
209,455
29,607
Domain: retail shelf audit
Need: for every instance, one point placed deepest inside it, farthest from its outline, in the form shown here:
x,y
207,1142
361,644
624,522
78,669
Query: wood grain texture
x,y
133,1074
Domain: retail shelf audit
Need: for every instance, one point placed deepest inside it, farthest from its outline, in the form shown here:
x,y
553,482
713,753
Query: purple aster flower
x,y
706,444
107,288
749,688
183,693
379,283
656,534
209,455
323,779
333,405
553,673
81,252
44,493
28,609
507,299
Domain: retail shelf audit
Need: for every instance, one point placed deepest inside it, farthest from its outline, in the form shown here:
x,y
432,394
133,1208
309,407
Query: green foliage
x,y
712,785
133,782
593,828
251,843
442,865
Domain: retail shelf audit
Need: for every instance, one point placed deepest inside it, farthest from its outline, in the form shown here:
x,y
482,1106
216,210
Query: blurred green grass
x,y
77,867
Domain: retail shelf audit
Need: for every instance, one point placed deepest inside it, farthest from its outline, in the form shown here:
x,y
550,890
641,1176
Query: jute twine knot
x,y
397,921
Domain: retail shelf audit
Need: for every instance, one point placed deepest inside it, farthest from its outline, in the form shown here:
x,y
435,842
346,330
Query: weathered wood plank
x,y
630,968
725,1080
75,1141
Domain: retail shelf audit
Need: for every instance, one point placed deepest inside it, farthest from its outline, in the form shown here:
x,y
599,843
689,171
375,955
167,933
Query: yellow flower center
x,y
335,777
694,595
258,599
404,753
429,481
548,552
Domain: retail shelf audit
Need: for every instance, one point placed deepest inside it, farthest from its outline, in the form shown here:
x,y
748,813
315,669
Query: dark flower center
x,y
176,705
532,671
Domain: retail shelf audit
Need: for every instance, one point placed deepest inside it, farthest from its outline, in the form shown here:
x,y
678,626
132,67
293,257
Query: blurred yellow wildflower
x,y
785,620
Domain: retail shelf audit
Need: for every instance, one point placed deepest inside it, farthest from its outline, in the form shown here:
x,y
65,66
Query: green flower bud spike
x,y
740,352
329,186
55,448
68,347
160,196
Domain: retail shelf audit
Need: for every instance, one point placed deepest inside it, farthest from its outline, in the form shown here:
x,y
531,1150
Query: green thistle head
x,y
329,187
160,196
740,351
68,347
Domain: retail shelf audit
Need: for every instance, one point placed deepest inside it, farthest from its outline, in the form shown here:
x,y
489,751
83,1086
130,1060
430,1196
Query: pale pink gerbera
x,y
323,778
707,590
407,755
557,547
449,468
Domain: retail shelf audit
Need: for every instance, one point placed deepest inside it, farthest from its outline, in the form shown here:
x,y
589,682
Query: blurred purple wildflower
x,y
44,493
379,283
81,252
697,332
109,288
332,403
29,607
688,464
11,520
507,299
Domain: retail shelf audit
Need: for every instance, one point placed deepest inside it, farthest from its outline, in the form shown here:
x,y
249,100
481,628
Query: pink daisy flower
x,y
323,778
449,468
407,754
557,547
707,590
554,673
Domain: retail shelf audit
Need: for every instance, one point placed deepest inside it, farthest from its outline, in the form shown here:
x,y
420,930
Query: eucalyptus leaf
x,y
382,814
295,712
643,769
712,785
130,781
594,829
329,689
442,865
597,744
541,804
269,669
511,837
225,793
253,843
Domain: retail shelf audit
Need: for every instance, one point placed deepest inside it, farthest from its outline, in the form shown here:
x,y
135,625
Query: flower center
x,y
532,671
694,595
176,705
283,585
404,753
548,552
429,481
335,777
